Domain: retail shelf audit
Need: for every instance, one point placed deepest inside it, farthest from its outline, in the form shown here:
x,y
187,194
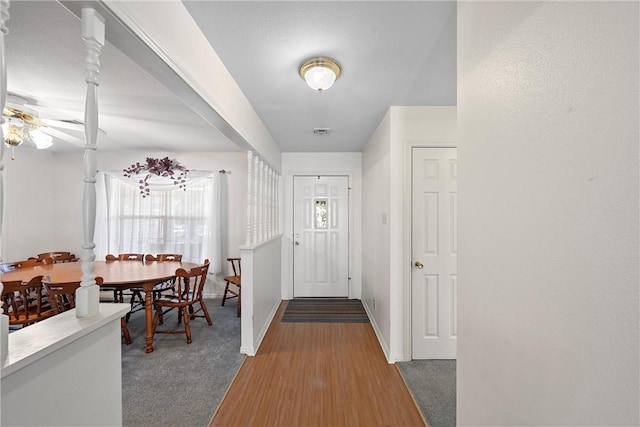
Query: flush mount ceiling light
x,y
319,72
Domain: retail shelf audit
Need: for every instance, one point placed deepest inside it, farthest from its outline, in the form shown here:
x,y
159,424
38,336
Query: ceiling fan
x,y
23,123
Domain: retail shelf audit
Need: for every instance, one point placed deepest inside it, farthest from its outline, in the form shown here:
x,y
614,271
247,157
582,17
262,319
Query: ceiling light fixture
x,y
320,72
22,124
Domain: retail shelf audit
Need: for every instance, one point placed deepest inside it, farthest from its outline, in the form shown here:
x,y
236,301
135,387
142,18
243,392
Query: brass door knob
x,y
419,265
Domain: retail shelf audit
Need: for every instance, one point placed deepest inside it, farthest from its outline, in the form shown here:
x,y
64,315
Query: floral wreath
x,y
161,167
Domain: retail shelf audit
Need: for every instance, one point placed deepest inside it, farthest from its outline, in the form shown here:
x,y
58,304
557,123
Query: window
x,y
169,220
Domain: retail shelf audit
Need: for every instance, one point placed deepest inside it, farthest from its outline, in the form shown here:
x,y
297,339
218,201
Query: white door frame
x,y
408,145
355,280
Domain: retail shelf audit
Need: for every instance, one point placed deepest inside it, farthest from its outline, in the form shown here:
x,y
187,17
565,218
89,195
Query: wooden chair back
x,y
188,293
167,285
46,260
58,256
24,302
31,262
236,280
163,257
236,266
62,296
119,294
131,257
125,257
190,284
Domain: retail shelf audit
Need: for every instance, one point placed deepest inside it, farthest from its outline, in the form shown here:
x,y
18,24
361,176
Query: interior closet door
x,y
434,283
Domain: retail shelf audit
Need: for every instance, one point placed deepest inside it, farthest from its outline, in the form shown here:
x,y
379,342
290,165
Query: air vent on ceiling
x,y
321,131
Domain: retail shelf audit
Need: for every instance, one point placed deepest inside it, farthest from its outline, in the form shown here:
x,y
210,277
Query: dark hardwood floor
x,y
318,374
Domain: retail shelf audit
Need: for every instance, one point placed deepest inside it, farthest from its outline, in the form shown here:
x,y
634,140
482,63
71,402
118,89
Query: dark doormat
x,y
327,310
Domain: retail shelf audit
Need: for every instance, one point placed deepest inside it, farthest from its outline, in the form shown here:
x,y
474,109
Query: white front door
x,y
321,236
434,253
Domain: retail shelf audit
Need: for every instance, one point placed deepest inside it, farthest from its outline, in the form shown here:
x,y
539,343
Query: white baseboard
x,y
376,329
253,350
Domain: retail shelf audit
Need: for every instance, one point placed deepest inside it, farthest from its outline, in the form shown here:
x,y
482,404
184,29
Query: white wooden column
x,y
276,202
263,198
274,207
254,239
249,236
265,202
4,16
270,205
88,295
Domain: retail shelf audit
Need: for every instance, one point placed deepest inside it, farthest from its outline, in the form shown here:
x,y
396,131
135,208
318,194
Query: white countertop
x,y
34,342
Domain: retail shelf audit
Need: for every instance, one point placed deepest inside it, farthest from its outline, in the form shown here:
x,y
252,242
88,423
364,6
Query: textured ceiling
x,y
392,53
45,62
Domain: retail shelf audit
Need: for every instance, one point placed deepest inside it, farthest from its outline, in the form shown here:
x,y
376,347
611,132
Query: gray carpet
x,y
180,384
433,385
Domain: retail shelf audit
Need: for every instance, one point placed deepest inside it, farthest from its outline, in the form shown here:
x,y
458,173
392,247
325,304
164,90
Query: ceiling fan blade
x,y
69,124
63,136
64,124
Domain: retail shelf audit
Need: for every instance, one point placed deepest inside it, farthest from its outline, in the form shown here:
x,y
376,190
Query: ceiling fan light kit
x,y
320,72
22,125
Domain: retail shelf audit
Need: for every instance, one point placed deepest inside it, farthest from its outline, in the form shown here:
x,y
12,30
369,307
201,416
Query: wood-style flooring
x,y
318,374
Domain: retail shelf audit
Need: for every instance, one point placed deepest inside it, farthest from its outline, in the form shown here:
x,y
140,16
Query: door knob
x,y
419,265
297,243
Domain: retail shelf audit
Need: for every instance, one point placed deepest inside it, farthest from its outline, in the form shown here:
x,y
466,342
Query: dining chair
x,y
167,284
59,256
31,262
46,260
188,293
158,289
62,297
119,294
130,257
25,303
235,281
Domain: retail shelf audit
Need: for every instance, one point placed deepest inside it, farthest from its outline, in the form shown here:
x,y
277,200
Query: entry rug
x,y
325,310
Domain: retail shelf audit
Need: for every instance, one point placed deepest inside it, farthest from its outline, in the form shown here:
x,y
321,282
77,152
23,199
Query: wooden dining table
x,y
115,274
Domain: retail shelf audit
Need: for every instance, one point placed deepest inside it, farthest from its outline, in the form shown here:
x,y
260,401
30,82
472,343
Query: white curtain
x,y
169,220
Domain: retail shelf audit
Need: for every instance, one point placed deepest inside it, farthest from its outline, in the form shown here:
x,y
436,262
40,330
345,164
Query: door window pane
x,y
321,214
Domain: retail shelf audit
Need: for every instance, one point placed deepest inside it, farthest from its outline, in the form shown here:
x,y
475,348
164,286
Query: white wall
x,y
386,264
261,291
58,363
410,126
376,202
31,220
548,213
349,164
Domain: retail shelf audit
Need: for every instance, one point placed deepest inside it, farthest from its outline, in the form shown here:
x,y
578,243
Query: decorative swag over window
x,y
171,219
